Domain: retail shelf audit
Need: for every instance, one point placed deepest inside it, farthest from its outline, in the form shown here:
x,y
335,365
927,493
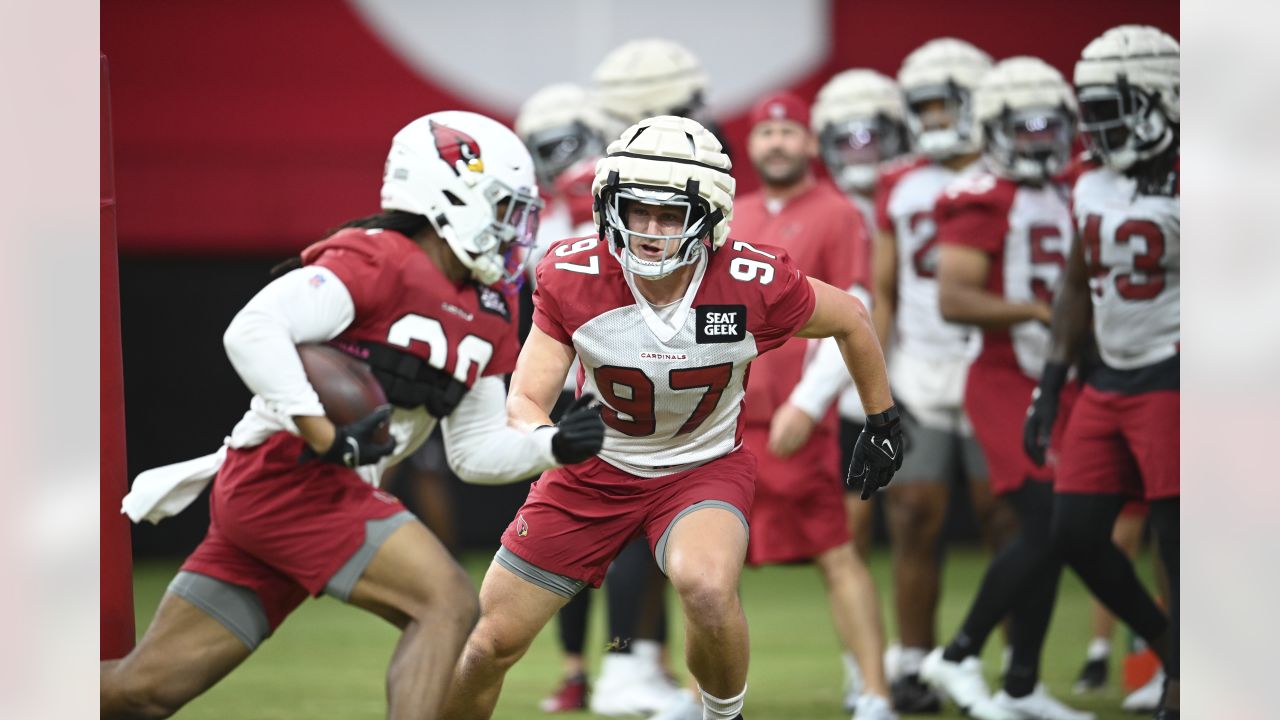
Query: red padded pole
x,y
116,619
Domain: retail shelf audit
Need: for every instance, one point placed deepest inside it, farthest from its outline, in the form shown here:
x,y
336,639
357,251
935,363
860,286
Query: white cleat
x,y
893,663
1146,698
1039,705
962,681
631,685
873,707
852,682
683,707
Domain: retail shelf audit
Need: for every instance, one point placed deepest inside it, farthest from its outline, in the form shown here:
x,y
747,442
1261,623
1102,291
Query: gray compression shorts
x,y
935,456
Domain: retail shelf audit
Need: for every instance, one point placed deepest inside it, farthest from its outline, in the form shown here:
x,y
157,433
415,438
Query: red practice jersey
x,y
402,300
827,239
1026,232
671,379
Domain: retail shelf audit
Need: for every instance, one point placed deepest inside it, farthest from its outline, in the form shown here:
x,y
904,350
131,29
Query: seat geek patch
x,y
720,323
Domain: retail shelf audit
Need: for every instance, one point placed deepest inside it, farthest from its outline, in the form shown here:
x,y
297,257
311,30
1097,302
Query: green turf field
x,y
327,661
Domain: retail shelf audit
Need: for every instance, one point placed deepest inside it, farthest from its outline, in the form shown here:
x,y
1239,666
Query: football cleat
x,y
571,696
911,695
1093,677
1039,705
631,685
961,681
873,707
1146,698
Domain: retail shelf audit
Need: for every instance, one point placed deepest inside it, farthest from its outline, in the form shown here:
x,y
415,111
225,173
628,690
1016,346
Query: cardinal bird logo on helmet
x,y
454,145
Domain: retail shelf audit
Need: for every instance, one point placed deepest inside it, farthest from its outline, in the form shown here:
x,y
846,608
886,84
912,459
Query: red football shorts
x,y
1123,444
283,529
799,507
578,518
996,397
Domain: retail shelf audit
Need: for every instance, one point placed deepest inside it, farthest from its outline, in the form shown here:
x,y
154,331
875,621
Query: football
x,y
346,386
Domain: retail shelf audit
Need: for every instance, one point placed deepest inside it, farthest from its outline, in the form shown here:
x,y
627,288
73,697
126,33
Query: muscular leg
x,y
855,610
858,513
704,556
1127,535
414,583
916,514
512,612
184,652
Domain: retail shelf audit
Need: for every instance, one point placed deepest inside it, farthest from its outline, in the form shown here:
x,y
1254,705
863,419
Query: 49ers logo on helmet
x,y
454,145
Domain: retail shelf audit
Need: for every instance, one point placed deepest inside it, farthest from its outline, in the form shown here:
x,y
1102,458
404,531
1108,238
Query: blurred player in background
x,y
295,508
565,132
857,117
799,512
1005,232
665,313
1125,272
653,76
930,357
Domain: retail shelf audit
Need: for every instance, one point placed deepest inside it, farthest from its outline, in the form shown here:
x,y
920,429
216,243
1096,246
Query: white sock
x,y
1099,649
851,665
910,659
713,708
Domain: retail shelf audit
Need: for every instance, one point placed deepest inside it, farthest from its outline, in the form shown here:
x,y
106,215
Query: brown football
x,y
346,386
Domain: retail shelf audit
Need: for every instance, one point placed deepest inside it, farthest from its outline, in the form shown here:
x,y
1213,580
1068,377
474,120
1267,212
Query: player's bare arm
x,y
963,297
1072,310
839,315
537,381
885,271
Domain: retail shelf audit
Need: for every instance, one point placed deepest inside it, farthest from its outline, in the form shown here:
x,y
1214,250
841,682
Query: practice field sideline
x,y
328,661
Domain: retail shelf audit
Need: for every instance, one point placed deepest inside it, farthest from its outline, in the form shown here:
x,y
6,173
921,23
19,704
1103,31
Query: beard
x,y
782,175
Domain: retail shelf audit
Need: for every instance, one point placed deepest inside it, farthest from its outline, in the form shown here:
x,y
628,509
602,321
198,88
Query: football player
x,y
665,312
1123,439
295,509
565,131
930,357
799,512
653,76
1005,232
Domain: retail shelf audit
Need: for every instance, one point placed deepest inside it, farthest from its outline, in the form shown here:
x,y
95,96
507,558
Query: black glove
x,y
580,433
353,444
1043,412
877,454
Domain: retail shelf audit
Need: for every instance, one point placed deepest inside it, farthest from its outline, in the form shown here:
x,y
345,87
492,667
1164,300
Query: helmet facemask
x,y
676,250
945,132
1031,144
556,149
853,150
1123,124
497,252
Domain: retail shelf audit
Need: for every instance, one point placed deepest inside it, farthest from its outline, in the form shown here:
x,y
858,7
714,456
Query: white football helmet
x,y
1127,82
669,161
857,117
645,78
1026,115
456,168
948,70
561,125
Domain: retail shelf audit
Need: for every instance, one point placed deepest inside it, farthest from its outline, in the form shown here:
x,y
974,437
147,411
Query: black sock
x,y
1082,525
625,587
1164,520
573,622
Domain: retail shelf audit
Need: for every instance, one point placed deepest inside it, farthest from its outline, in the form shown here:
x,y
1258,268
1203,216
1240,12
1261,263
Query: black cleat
x,y
1092,678
909,694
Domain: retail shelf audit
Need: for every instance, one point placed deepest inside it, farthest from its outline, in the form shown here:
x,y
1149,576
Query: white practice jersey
x,y
905,204
671,390
1132,248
